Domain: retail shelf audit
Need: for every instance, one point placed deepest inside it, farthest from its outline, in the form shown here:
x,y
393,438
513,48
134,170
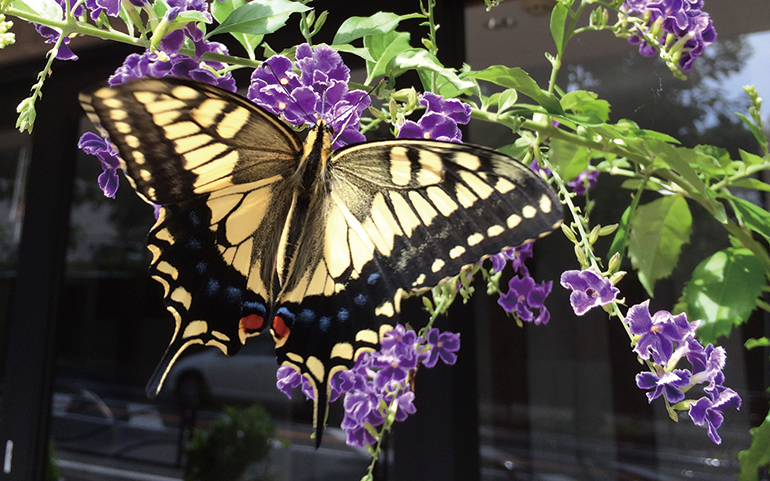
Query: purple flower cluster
x,y
680,26
379,381
319,90
149,64
108,180
666,339
589,289
440,120
525,298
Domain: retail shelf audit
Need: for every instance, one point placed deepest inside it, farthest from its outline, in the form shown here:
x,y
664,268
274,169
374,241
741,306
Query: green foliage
x,y
723,291
223,451
758,454
659,229
258,18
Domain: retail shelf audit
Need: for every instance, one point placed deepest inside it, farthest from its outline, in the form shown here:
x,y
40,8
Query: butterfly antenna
x,y
311,120
352,108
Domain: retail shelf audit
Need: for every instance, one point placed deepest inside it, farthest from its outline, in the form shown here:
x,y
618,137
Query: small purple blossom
x,y
287,378
524,297
108,180
585,181
669,384
589,289
440,120
443,345
657,334
517,256
110,7
320,89
709,411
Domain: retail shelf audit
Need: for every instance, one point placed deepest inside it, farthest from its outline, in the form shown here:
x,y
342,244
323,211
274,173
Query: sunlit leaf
x,y
723,291
520,80
259,17
659,229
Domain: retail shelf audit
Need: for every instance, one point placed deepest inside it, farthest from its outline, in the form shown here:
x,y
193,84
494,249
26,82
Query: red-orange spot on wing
x,y
251,323
280,329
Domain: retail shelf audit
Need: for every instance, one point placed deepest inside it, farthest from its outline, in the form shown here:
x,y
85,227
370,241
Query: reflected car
x,y
248,376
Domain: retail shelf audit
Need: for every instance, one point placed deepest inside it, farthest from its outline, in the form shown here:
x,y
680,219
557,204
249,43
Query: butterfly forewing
x,y
257,231
179,139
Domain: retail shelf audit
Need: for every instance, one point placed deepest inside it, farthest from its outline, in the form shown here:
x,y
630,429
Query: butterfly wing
x,y
216,163
399,216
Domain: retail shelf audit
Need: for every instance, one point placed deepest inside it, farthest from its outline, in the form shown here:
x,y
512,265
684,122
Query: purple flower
x,y
584,181
517,256
110,7
108,180
440,121
657,334
668,383
137,66
679,26
319,90
589,289
525,295
709,411
287,378
442,345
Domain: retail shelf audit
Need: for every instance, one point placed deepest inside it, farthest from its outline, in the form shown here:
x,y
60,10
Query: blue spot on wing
x,y
324,323
251,307
212,287
285,314
343,314
193,243
373,278
201,267
306,315
360,300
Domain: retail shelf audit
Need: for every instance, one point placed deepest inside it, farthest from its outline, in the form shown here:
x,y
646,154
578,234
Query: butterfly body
x,y
259,231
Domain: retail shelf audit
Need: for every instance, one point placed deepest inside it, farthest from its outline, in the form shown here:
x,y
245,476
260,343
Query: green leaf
x,y
581,102
45,8
380,23
425,62
506,99
751,183
383,48
558,18
659,229
749,158
358,51
723,291
260,17
758,454
520,80
755,131
755,217
761,342
221,10
569,159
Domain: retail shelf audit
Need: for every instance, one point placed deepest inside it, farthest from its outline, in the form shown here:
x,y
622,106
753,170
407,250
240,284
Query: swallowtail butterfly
x,y
260,231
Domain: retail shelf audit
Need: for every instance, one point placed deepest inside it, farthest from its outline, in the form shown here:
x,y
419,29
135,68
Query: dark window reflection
x,y
14,158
